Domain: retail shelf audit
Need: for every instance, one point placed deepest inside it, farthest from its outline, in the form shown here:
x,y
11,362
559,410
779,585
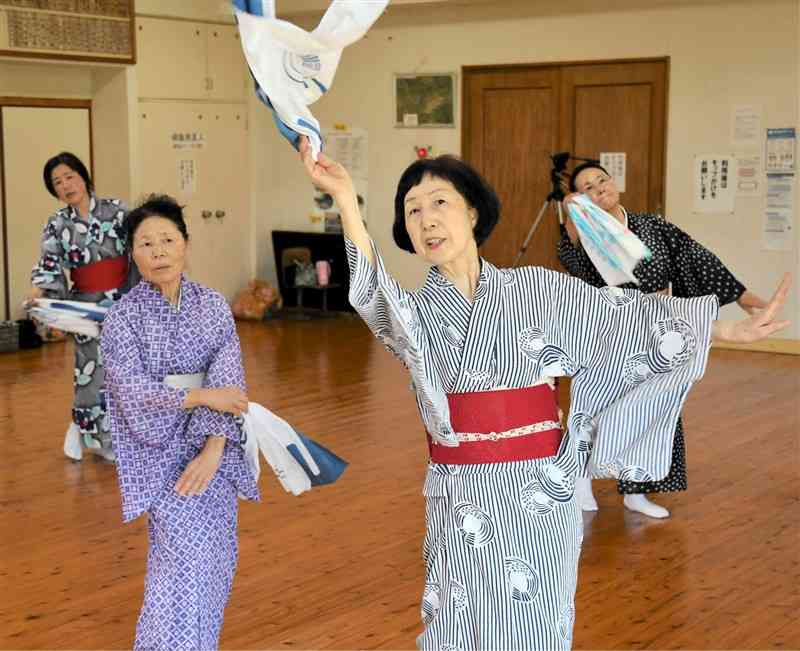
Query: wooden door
x,y
30,135
511,120
515,117
620,107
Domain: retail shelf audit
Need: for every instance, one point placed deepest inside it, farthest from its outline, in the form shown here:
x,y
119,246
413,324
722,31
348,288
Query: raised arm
x,y
330,176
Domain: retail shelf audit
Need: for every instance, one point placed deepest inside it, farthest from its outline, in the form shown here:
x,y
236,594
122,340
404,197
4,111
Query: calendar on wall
x,y
96,30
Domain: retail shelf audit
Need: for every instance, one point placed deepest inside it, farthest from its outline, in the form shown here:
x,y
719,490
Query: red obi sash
x,y
100,276
498,426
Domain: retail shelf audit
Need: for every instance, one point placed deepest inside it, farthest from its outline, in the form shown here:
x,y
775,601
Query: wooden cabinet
x,y
181,59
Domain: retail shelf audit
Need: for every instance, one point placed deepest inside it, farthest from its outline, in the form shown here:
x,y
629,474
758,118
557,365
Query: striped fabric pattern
x,y
503,539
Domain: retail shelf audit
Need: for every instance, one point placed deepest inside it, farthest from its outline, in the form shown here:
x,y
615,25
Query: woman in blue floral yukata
x,y
86,238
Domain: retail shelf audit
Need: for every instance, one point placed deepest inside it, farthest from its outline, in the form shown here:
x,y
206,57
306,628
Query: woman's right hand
x,y
328,175
33,294
228,400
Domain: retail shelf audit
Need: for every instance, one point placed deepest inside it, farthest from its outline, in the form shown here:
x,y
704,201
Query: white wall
x,y
721,54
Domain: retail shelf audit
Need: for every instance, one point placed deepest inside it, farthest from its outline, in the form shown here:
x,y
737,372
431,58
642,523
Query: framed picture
x,y
427,100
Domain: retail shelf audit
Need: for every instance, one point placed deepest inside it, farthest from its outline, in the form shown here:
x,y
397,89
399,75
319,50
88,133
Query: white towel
x,y
293,67
613,248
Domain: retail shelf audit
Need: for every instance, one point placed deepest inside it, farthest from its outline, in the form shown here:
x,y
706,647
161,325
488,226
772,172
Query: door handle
x,y
206,214
219,214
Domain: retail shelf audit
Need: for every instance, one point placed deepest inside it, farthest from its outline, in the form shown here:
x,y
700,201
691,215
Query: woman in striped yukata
x,y
482,345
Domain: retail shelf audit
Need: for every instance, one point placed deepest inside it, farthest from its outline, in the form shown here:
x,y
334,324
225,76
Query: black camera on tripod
x,y
558,177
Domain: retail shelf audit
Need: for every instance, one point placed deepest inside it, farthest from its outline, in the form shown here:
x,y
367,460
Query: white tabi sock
x,y
583,494
641,504
72,443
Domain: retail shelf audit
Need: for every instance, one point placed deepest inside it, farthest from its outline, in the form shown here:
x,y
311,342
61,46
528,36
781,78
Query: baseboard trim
x,y
780,346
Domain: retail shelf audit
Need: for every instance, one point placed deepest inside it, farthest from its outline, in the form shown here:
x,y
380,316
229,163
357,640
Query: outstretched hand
x,y
758,326
328,175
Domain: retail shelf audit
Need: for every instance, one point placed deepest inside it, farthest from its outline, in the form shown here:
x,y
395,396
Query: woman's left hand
x,y
202,468
751,303
758,326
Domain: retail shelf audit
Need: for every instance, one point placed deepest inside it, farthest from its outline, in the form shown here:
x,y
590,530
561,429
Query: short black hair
x,y
156,205
475,190
73,162
590,165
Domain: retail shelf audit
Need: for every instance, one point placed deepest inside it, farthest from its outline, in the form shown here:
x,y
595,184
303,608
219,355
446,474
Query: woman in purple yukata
x,y
482,345
175,390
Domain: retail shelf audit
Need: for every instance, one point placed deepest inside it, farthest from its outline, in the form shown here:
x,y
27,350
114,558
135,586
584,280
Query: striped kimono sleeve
x,y
388,309
225,369
146,408
633,358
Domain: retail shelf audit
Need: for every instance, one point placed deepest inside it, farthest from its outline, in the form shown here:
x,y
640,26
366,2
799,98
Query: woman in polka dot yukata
x,y
677,262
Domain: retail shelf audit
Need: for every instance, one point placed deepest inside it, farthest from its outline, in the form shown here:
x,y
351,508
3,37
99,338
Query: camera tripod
x,y
553,199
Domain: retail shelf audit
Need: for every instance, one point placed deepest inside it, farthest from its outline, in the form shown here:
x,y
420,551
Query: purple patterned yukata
x,y
193,540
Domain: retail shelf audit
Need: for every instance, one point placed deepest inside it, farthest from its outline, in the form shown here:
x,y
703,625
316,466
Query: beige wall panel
x,y
226,64
30,137
220,248
171,59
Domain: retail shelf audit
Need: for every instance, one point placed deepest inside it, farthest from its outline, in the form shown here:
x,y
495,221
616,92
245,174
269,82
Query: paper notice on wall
x,y
188,140
778,232
748,176
714,183
350,148
746,125
615,163
780,150
187,176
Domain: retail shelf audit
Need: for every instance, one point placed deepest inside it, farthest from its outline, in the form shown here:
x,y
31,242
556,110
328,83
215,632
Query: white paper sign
x,y
746,125
351,149
780,150
187,176
615,163
714,183
778,218
188,140
748,176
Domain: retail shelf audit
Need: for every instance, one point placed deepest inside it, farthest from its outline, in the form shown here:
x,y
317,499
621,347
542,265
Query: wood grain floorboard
x,y
340,567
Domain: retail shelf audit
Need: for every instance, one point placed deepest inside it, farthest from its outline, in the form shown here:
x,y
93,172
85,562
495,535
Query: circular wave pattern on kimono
x,y
556,483
522,580
535,500
430,603
584,427
482,289
475,524
616,296
451,335
508,277
458,596
635,473
531,342
450,647
676,344
566,620
486,379
636,369
555,362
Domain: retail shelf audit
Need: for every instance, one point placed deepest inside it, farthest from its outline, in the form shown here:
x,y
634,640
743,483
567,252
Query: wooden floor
x,y
340,568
